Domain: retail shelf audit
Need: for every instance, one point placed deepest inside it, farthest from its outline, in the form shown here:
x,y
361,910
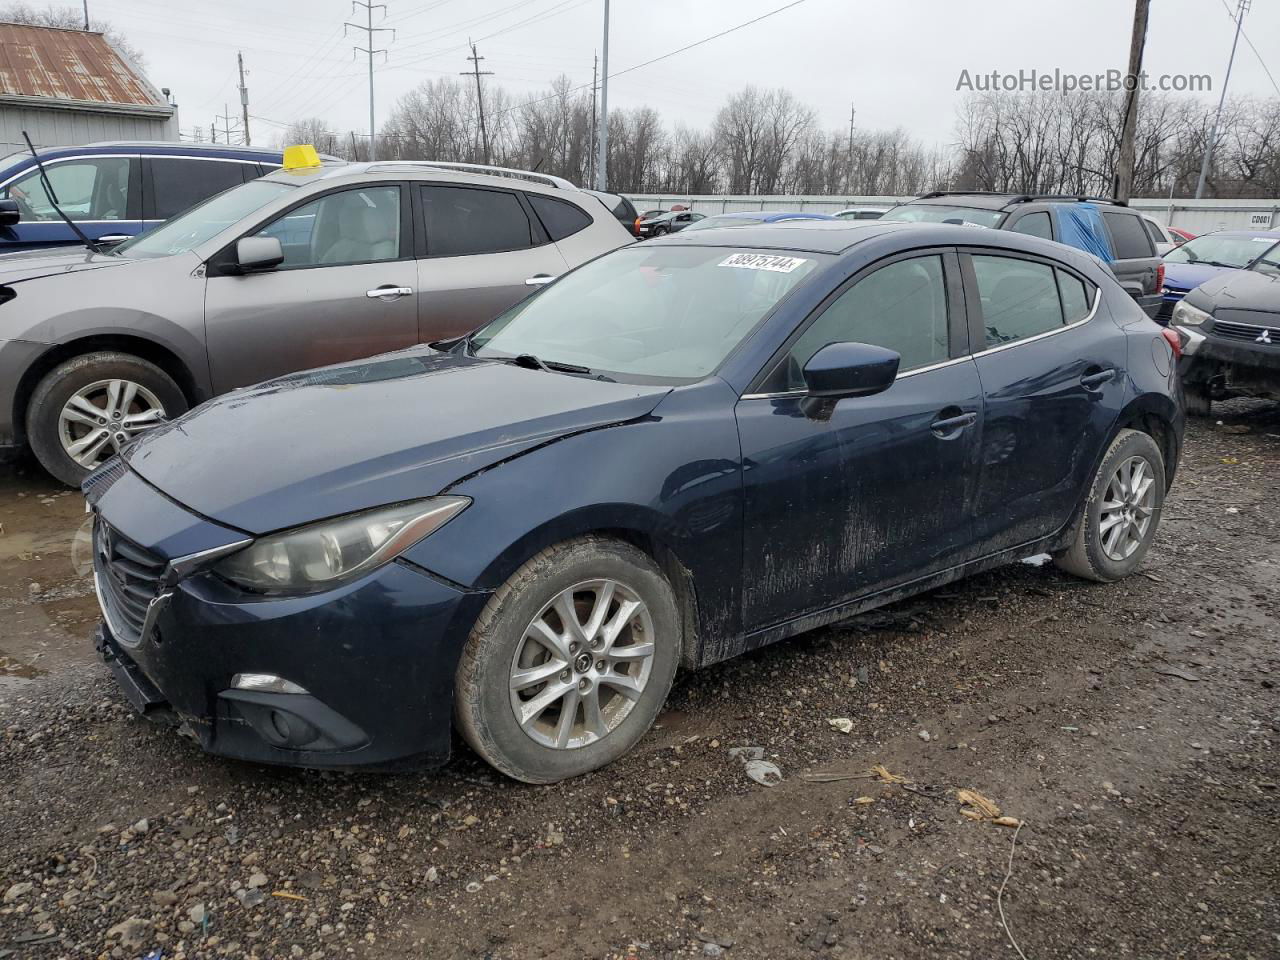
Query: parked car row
x,y
405,366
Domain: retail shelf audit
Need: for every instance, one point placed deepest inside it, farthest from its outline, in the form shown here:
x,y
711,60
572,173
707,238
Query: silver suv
x,y
297,269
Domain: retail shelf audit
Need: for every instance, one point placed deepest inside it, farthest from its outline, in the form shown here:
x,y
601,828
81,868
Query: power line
x,y
1261,62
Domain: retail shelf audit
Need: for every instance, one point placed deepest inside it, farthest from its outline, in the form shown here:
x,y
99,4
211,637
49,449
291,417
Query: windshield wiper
x,y
1219,263
536,363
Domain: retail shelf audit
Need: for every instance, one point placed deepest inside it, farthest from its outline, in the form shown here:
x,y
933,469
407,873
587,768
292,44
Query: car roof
x,y
1271,234
1009,201
409,170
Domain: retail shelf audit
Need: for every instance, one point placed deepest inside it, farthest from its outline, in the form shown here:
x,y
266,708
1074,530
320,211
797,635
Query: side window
x,y
1035,224
178,184
1077,296
464,220
85,190
1153,231
902,307
1129,240
560,218
354,226
1019,298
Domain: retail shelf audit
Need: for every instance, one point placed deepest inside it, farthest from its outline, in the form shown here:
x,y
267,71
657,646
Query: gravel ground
x,y
1131,728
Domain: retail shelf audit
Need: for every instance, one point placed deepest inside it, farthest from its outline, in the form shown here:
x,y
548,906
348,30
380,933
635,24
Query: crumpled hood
x,y
396,427
1235,293
1185,276
33,264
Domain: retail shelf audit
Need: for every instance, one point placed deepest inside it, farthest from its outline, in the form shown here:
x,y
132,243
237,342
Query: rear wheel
x,y
88,407
570,661
1122,512
660,231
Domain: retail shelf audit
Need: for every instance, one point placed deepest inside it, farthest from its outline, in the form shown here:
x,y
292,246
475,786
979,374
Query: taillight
x,y
1174,341
1159,278
636,227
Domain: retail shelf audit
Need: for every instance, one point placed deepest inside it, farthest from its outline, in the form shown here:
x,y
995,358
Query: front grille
x,y
128,580
1247,332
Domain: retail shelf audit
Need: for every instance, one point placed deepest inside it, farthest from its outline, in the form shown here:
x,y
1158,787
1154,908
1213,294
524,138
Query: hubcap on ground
x,y
1127,508
582,664
97,420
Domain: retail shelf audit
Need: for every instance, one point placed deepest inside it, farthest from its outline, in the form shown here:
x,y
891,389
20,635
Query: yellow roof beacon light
x,y
301,157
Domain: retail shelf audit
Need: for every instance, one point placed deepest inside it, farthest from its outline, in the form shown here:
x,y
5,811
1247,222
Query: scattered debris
x,y
977,807
881,772
764,773
1178,672
843,724
286,895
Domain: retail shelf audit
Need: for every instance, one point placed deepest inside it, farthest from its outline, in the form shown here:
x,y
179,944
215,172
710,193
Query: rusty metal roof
x,y
70,68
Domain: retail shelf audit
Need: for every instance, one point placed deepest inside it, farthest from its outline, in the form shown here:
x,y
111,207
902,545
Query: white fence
x,y
1196,216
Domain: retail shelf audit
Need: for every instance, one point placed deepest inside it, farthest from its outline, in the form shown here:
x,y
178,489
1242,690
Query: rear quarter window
x,y
560,218
1129,238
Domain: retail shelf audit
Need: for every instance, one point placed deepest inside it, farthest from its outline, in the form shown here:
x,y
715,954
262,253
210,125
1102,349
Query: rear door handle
x,y
538,280
1091,380
388,292
953,424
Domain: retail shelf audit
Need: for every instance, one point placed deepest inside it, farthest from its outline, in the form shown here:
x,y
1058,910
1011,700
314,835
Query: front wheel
x,y
570,661
87,408
1122,512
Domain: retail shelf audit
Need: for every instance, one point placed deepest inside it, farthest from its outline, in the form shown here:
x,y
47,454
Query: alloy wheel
x,y
1127,508
582,664
99,419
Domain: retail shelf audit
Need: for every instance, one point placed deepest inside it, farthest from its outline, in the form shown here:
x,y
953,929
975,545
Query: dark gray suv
x,y
1109,229
301,268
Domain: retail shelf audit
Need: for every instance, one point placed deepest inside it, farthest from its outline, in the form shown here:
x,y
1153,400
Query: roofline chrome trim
x,y
1097,302
125,156
482,168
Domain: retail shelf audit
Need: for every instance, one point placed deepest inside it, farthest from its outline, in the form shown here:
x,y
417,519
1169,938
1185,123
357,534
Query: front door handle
x,y
952,425
1098,378
388,291
538,280
115,238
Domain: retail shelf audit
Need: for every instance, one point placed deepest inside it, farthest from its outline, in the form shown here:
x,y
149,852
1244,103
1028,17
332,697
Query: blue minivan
x,y
114,191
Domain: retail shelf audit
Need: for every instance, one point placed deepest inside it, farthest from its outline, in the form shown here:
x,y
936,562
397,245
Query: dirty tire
x,y
483,710
1196,400
57,387
1085,557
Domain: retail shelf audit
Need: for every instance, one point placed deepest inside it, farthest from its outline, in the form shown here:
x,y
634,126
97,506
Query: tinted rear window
x,y
465,220
560,218
1129,240
178,184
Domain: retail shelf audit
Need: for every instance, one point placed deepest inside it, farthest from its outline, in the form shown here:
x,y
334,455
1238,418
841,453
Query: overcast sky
x,y
897,62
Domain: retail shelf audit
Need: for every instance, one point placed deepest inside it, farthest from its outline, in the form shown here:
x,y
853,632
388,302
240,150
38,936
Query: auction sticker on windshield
x,y
762,261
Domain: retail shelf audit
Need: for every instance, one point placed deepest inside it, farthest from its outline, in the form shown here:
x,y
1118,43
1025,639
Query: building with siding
x,y
68,87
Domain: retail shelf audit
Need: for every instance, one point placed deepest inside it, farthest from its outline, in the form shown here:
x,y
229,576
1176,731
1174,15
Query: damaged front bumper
x,y
357,676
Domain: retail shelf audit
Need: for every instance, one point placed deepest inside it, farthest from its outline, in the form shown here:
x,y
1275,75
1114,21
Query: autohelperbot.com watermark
x,y
1064,82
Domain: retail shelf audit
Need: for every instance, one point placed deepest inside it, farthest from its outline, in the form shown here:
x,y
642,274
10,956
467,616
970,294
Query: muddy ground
x,y
1132,728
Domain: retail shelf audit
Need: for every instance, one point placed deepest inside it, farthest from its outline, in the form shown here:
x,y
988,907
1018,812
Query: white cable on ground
x,y
1000,895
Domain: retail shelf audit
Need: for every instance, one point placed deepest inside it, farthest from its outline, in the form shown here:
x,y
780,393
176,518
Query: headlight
x,y
1186,315
317,556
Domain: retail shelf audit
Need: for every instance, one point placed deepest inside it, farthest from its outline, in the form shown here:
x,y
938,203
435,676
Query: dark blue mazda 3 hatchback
x,y
679,451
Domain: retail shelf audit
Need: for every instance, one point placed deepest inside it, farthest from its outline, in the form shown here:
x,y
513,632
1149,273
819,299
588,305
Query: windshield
x,y
670,313
936,213
1269,264
200,223
1221,250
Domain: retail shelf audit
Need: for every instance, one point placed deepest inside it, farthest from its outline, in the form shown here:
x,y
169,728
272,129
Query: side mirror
x,y
850,370
10,213
256,254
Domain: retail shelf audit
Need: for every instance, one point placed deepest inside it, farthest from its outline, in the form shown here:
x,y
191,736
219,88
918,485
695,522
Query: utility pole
x,y
475,71
1128,132
602,164
213,133
848,176
244,98
595,83
227,127
1213,134
86,14
369,30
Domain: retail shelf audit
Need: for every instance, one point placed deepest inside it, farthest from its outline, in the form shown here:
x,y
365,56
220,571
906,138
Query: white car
x,y
1160,235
